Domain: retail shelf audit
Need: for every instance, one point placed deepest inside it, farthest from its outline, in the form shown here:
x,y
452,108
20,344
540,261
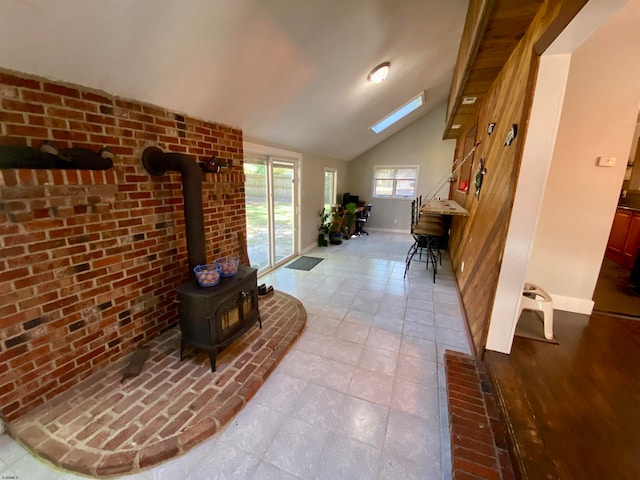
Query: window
x,y
399,114
396,181
330,176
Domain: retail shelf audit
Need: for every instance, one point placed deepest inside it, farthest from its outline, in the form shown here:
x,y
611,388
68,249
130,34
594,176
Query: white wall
x,y
418,144
312,201
633,174
598,119
571,220
536,160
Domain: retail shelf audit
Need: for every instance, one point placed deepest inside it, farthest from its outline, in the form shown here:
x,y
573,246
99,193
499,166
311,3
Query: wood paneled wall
x,y
475,24
493,29
478,240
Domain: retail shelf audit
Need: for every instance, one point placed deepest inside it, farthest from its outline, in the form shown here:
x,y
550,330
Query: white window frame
x,y
276,154
395,168
335,182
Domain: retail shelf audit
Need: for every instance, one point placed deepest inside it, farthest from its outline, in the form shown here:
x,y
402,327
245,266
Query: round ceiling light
x,y
379,73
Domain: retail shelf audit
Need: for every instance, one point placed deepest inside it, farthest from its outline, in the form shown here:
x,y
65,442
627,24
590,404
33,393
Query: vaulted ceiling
x,y
287,72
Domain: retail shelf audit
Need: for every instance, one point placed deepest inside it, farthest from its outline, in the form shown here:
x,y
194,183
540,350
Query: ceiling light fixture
x,y
379,73
413,104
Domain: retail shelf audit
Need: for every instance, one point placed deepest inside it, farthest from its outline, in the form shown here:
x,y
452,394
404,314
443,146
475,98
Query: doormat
x,y
531,326
305,263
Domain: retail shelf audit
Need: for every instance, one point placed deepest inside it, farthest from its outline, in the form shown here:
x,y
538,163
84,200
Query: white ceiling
x,y
287,72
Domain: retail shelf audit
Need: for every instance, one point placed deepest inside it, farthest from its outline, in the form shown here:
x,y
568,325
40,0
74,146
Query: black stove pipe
x,y
157,162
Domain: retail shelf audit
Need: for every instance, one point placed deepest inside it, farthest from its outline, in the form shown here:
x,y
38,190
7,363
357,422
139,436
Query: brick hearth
x,y
91,258
478,440
105,426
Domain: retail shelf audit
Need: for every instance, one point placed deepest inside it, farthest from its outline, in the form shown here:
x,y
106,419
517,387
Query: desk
x,y
431,242
443,207
340,218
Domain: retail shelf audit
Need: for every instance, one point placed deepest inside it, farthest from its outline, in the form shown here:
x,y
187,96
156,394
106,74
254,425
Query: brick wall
x,y
89,259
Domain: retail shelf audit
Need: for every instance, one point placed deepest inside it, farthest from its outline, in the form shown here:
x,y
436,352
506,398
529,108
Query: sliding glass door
x,y
257,206
270,195
283,210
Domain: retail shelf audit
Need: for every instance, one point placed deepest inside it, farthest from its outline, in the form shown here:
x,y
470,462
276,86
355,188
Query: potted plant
x,y
336,226
324,228
349,215
336,229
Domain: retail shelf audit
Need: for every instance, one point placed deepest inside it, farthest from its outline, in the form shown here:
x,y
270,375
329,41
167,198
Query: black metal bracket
x,y
49,157
214,165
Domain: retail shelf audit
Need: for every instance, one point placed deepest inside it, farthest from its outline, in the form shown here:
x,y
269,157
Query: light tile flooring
x,y
361,395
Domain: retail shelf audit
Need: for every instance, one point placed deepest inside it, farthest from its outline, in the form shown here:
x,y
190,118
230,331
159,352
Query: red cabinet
x,y
624,238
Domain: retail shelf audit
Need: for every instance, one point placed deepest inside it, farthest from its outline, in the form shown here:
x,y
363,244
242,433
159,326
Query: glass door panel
x,y
257,207
270,206
283,202
329,189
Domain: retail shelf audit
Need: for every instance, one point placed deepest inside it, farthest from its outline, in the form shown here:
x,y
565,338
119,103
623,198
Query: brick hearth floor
x,y
107,425
360,395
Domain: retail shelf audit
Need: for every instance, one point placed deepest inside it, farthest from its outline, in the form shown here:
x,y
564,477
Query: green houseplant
x,y
349,219
324,228
335,227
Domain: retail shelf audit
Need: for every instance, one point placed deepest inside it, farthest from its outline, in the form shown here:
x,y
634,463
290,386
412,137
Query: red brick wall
x,y
89,259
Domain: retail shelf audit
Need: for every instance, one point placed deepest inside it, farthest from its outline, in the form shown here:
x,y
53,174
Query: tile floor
x,y
362,393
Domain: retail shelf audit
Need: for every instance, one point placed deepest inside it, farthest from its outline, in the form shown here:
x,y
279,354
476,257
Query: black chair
x,y
362,218
425,230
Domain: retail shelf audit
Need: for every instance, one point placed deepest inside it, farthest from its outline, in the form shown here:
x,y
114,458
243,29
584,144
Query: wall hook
x,y
214,165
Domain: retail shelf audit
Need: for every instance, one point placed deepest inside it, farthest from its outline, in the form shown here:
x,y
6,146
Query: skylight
x,y
399,114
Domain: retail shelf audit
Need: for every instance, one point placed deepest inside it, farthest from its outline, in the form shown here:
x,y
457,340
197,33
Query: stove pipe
x,y
157,162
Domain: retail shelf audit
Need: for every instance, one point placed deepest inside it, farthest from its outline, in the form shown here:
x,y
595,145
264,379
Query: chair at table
x,y
425,230
433,227
362,218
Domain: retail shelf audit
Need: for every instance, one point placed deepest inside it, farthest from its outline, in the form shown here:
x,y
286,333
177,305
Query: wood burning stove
x,y
210,317
213,317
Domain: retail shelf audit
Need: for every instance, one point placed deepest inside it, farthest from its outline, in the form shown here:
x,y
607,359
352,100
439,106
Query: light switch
x,y
606,161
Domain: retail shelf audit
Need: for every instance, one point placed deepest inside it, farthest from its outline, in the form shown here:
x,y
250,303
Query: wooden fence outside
x,y
256,189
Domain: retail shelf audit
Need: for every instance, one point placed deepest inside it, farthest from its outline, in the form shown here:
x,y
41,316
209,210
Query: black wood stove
x,y
210,317
213,317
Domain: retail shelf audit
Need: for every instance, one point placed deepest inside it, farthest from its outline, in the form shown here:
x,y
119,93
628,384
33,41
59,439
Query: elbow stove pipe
x,y
156,163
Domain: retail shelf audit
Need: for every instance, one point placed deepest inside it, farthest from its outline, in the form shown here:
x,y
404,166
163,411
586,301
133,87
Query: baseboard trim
x,y
388,230
572,304
308,248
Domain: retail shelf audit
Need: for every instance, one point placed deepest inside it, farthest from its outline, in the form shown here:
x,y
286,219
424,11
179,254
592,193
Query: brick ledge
x,y
478,441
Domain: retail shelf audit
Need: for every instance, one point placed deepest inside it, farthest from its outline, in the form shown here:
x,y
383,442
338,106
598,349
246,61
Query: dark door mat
x,y
305,263
531,326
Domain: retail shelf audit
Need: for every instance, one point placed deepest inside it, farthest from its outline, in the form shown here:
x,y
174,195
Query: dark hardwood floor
x,y
615,293
573,409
